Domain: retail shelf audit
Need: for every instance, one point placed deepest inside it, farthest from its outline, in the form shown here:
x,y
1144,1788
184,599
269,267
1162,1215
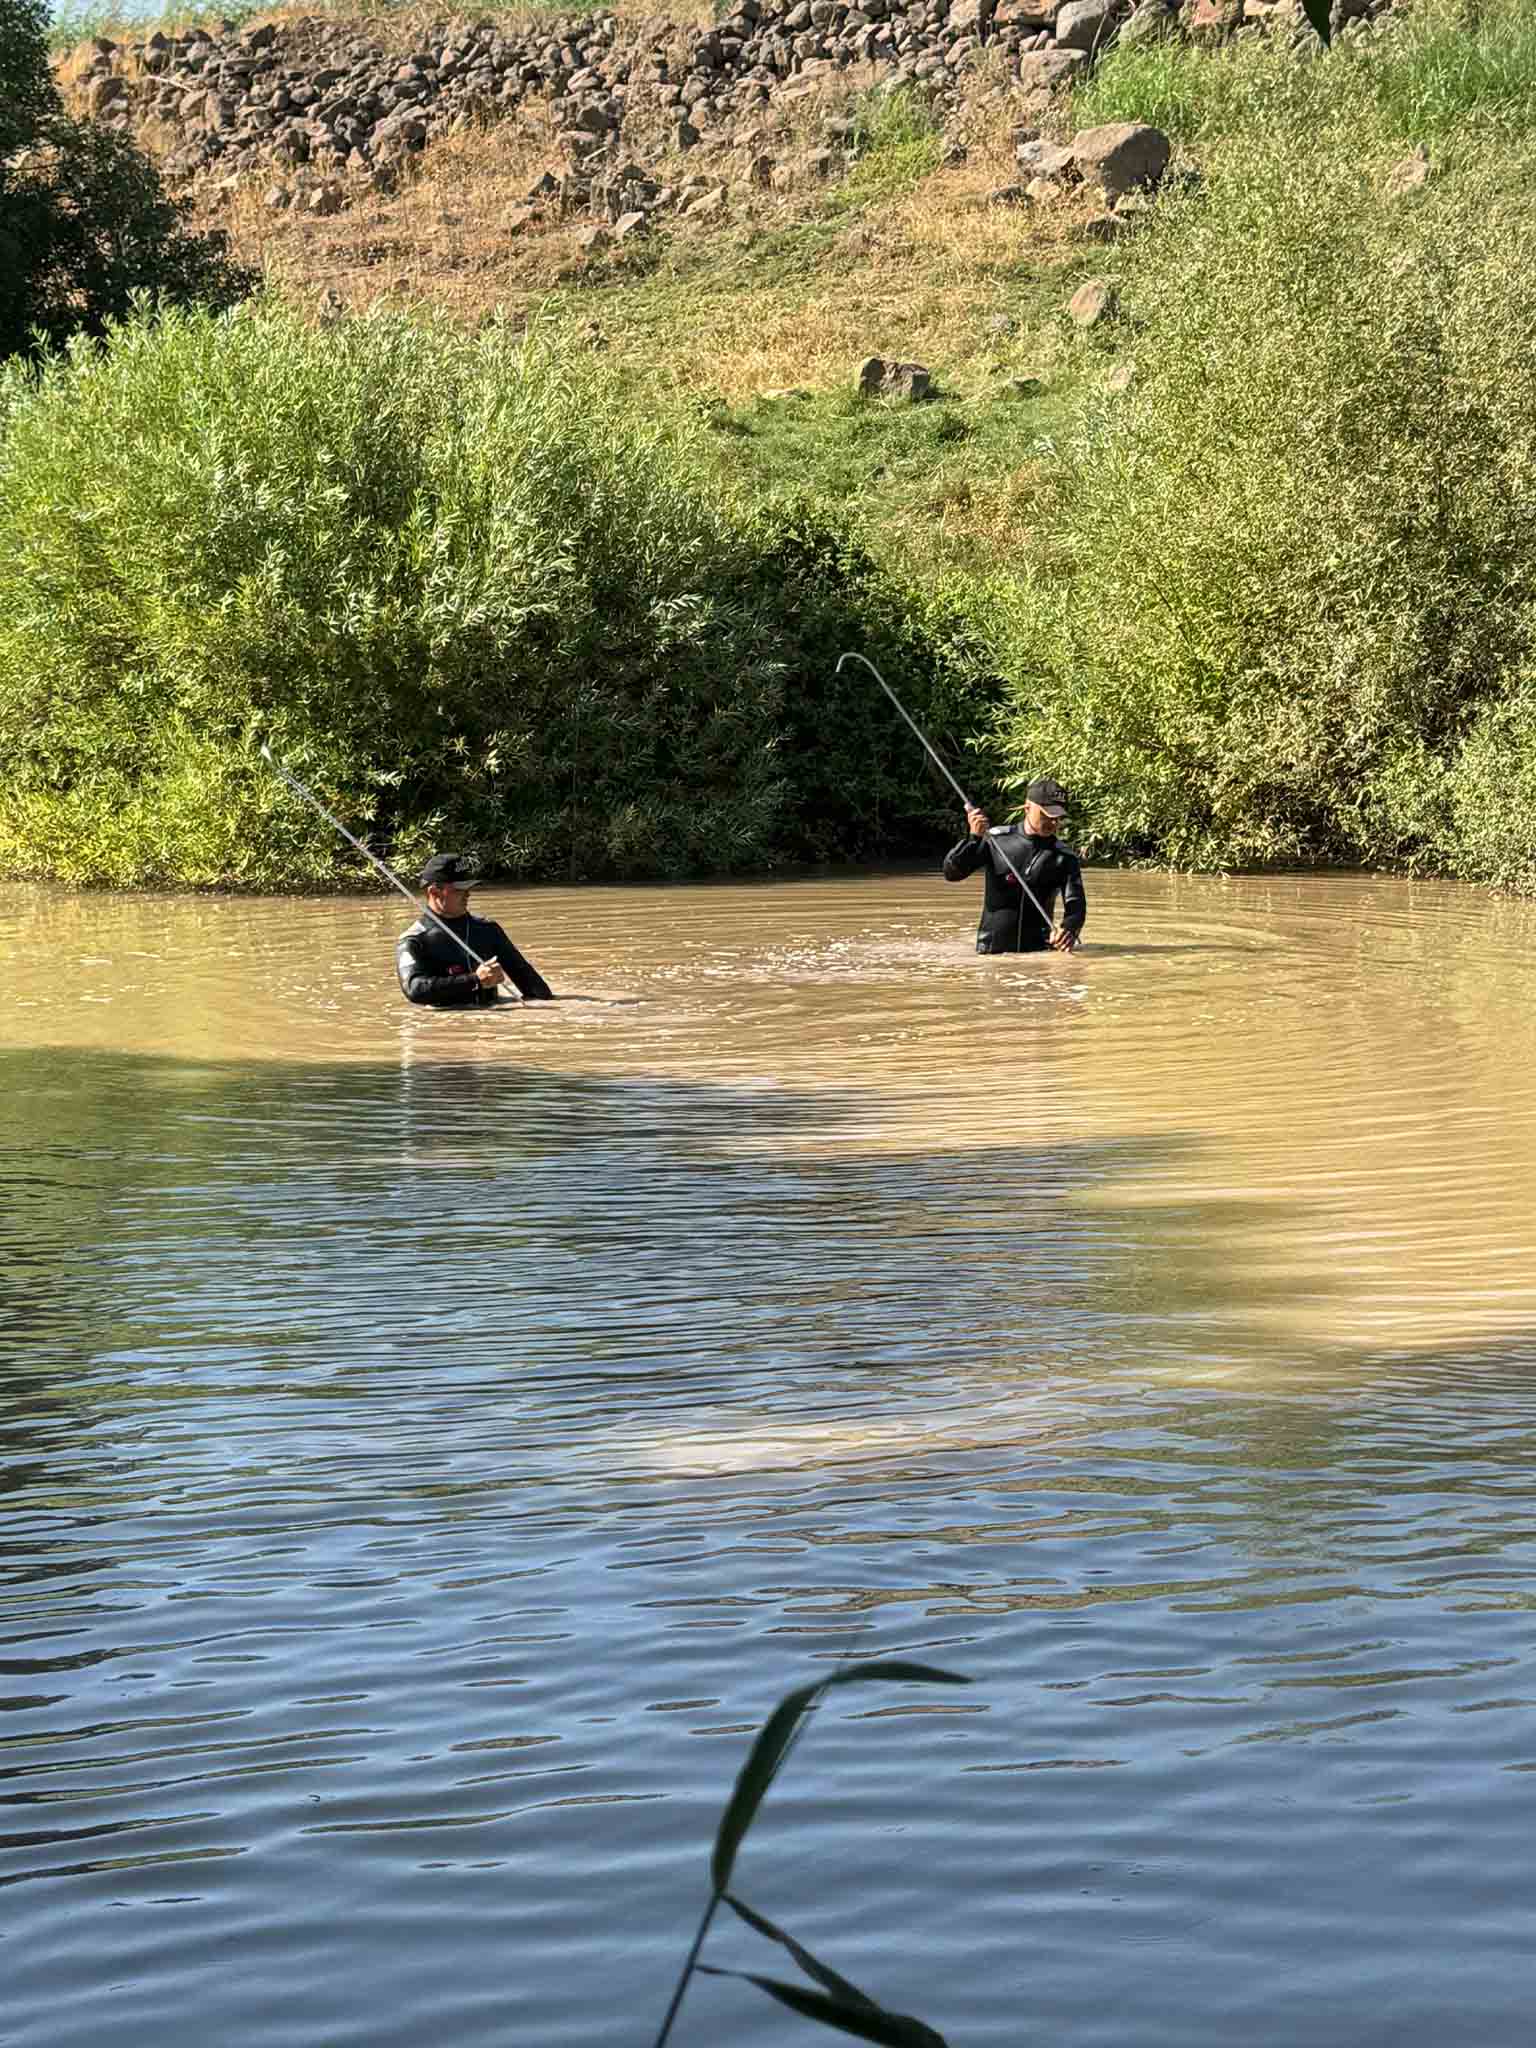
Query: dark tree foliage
x,y
85,223
28,96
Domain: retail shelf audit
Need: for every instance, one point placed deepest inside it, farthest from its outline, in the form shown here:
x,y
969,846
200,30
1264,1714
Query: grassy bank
x,y
1263,595
786,296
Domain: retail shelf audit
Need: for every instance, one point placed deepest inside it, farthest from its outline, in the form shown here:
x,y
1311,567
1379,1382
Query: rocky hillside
x,y
331,106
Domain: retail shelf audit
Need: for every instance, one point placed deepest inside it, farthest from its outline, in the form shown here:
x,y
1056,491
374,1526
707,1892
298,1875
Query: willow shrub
x,y
457,583
1292,566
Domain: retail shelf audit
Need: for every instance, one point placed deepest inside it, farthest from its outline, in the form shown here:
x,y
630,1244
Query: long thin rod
x,y
372,859
938,762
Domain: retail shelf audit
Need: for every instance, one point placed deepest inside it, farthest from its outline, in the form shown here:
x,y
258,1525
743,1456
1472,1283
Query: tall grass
x,y
1447,68
896,144
1458,65
460,582
1197,95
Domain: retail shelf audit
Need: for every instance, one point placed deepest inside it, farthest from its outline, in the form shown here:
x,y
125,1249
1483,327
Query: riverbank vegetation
x,y
1289,611
1249,563
461,584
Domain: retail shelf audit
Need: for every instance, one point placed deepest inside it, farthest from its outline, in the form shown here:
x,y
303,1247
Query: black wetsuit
x,y
435,971
1010,923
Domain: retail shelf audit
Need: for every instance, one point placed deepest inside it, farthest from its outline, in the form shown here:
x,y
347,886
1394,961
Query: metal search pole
x,y
372,859
936,758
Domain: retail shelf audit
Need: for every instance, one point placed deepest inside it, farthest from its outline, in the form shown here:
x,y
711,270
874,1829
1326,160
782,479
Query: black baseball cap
x,y
1049,795
455,869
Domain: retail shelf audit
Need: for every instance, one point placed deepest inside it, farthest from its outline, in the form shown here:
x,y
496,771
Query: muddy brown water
x,y
431,1443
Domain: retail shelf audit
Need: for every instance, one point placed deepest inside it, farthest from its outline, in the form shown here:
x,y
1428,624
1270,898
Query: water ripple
x,y
430,1444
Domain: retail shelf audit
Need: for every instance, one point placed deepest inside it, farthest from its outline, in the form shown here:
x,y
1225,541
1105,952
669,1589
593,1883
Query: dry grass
x,y
787,291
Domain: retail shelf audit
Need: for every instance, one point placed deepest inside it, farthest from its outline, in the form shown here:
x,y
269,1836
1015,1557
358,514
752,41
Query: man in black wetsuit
x,y
1010,923
435,971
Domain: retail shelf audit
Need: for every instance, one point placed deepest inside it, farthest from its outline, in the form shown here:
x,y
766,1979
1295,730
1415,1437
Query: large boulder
x,y
1212,21
1048,159
1121,157
881,379
1092,303
1049,70
970,17
1086,24
1152,21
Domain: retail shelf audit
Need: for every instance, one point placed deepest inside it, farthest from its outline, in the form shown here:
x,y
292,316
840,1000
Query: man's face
x,y
1044,824
448,899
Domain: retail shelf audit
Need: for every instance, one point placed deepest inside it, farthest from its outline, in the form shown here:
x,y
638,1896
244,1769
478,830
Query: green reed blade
x,y
1318,12
774,1739
895,1668
894,2029
825,1975
754,1778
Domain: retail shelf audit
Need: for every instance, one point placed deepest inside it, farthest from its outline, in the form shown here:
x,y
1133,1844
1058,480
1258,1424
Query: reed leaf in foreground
x,y
824,1974
840,2004
773,1745
867,2022
1319,13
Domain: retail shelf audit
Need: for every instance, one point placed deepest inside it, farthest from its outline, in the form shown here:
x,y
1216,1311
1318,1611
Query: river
x,y
431,1443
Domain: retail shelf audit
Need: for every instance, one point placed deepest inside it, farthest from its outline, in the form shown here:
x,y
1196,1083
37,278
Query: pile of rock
x,y
322,94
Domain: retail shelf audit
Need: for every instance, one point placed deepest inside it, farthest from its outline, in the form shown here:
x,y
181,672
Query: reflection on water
x,y
429,1444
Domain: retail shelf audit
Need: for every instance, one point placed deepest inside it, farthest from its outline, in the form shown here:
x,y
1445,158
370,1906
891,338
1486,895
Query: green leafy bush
x,y
458,583
1294,560
28,95
1489,800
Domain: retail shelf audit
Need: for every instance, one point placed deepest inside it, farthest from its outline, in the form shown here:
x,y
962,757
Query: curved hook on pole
x,y
922,738
938,762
